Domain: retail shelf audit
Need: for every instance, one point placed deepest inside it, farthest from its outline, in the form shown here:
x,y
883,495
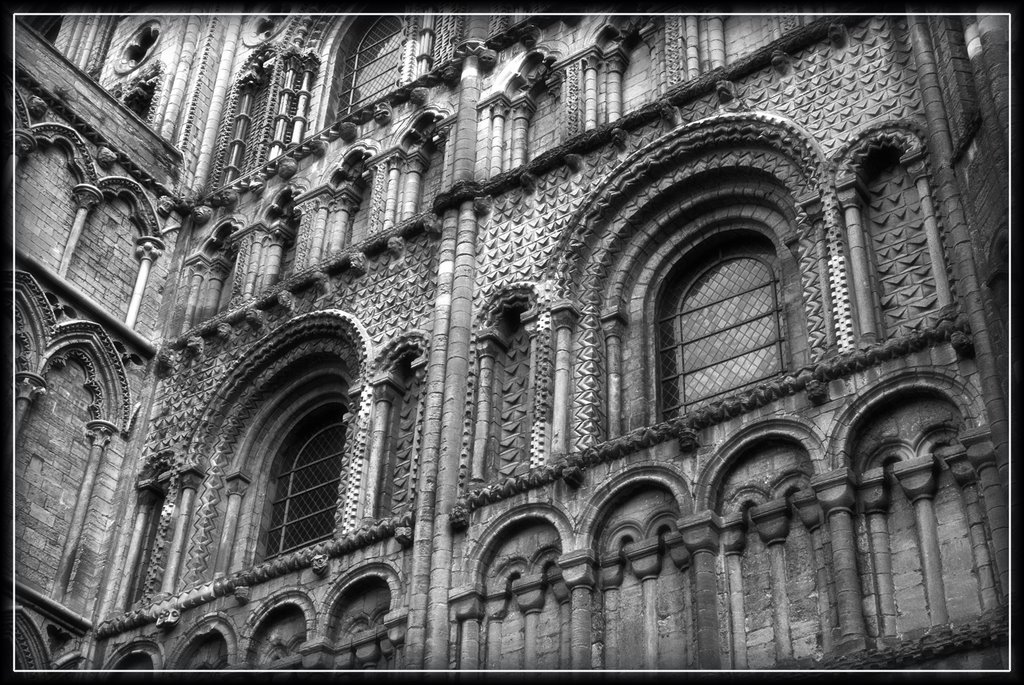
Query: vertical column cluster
x,y
291,119
503,133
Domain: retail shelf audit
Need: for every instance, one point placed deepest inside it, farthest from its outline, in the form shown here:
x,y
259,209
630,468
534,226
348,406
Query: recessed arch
x,y
638,476
480,553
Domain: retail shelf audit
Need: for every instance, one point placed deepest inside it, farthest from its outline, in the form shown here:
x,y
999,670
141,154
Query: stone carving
x,y
319,564
167,619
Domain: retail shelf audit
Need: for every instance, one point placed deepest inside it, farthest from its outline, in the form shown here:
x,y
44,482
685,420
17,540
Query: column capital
x,y
86,196
916,477
676,550
29,385
466,603
613,323
700,531
805,503
523,106
873,492
564,314
834,489
955,457
490,341
772,521
610,570
578,568
383,383
190,478
100,432
849,191
148,247
616,58
981,454
915,163
644,557
237,483
733,534
149,493
529,593
24,143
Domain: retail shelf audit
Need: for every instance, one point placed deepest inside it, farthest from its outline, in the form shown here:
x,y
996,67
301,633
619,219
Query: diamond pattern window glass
x,y
374,66
306,493
718,332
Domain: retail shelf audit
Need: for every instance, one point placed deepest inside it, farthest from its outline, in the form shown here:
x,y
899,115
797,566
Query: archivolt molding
x,y
145,646
887,390
526,295
788,428
89,343
218,622
124,187
382,569
603,502
82,163
284,597
907,136
479,551
666,156
22,118
415,342
34,321
28,643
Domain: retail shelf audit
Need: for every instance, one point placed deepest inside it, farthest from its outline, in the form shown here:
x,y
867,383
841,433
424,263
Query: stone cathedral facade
x,y
458,340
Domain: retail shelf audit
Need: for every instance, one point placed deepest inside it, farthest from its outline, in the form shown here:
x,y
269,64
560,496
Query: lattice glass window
x,y
306,493
374,66
718,332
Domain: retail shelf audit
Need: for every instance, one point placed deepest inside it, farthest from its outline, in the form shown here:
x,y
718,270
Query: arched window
x,y
718,329
304,490
371,66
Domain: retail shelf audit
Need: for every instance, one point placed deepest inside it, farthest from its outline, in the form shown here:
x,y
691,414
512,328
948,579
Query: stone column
x,y
147,250
273,251
613,326
692,48
530,596
232,27
302,100
700,535
734,541
85,197
611,580
522,112
27,387
385,389
578,574
235,486
414,168
252,266
615,63
425,59
965,477
805,504
874,502
391,198
348,199
320,210
835,495
219,269
467,608
590,92
236,148
560,591
98,433
645,561
496,610
188,483
148,496
489,344
195,291
915,166
498,113
563,319
772,522
850,194
716,41
917,478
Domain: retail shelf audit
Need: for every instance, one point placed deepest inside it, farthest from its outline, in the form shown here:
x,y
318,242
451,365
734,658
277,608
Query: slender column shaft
x,y
530,621
391,200
177,91
692,48
851,618
147,251
378,443
483,412
936,252
302,103
734,569
564,318
86,197
497,139
966,478
272,259
194,293
182,518
716,42
99,434
917,478
613,87
411,194
227,559
649,587
613,347
28,386
214,285
469,650
706,596
252,270
340,231
232,25
582,621
861,271
143,512
881,556
590,94
520,129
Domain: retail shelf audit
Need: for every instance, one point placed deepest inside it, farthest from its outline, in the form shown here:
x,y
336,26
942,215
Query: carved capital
x,y
982,455
644,557
148,247
237,483
805,503
733,534
611,569
466,604
578,568
916,477
29,386
100,432
834,490
955,457
529,593
564,314
190,479
849,191
772,521
86,196
700,531
873,492
24,143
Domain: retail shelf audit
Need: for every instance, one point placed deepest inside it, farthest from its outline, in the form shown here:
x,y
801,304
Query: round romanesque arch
x,y
639,476
274,631
211,643
141,654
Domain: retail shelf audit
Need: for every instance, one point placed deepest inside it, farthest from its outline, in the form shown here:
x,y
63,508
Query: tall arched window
x,y
718,328
371,66
304,491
